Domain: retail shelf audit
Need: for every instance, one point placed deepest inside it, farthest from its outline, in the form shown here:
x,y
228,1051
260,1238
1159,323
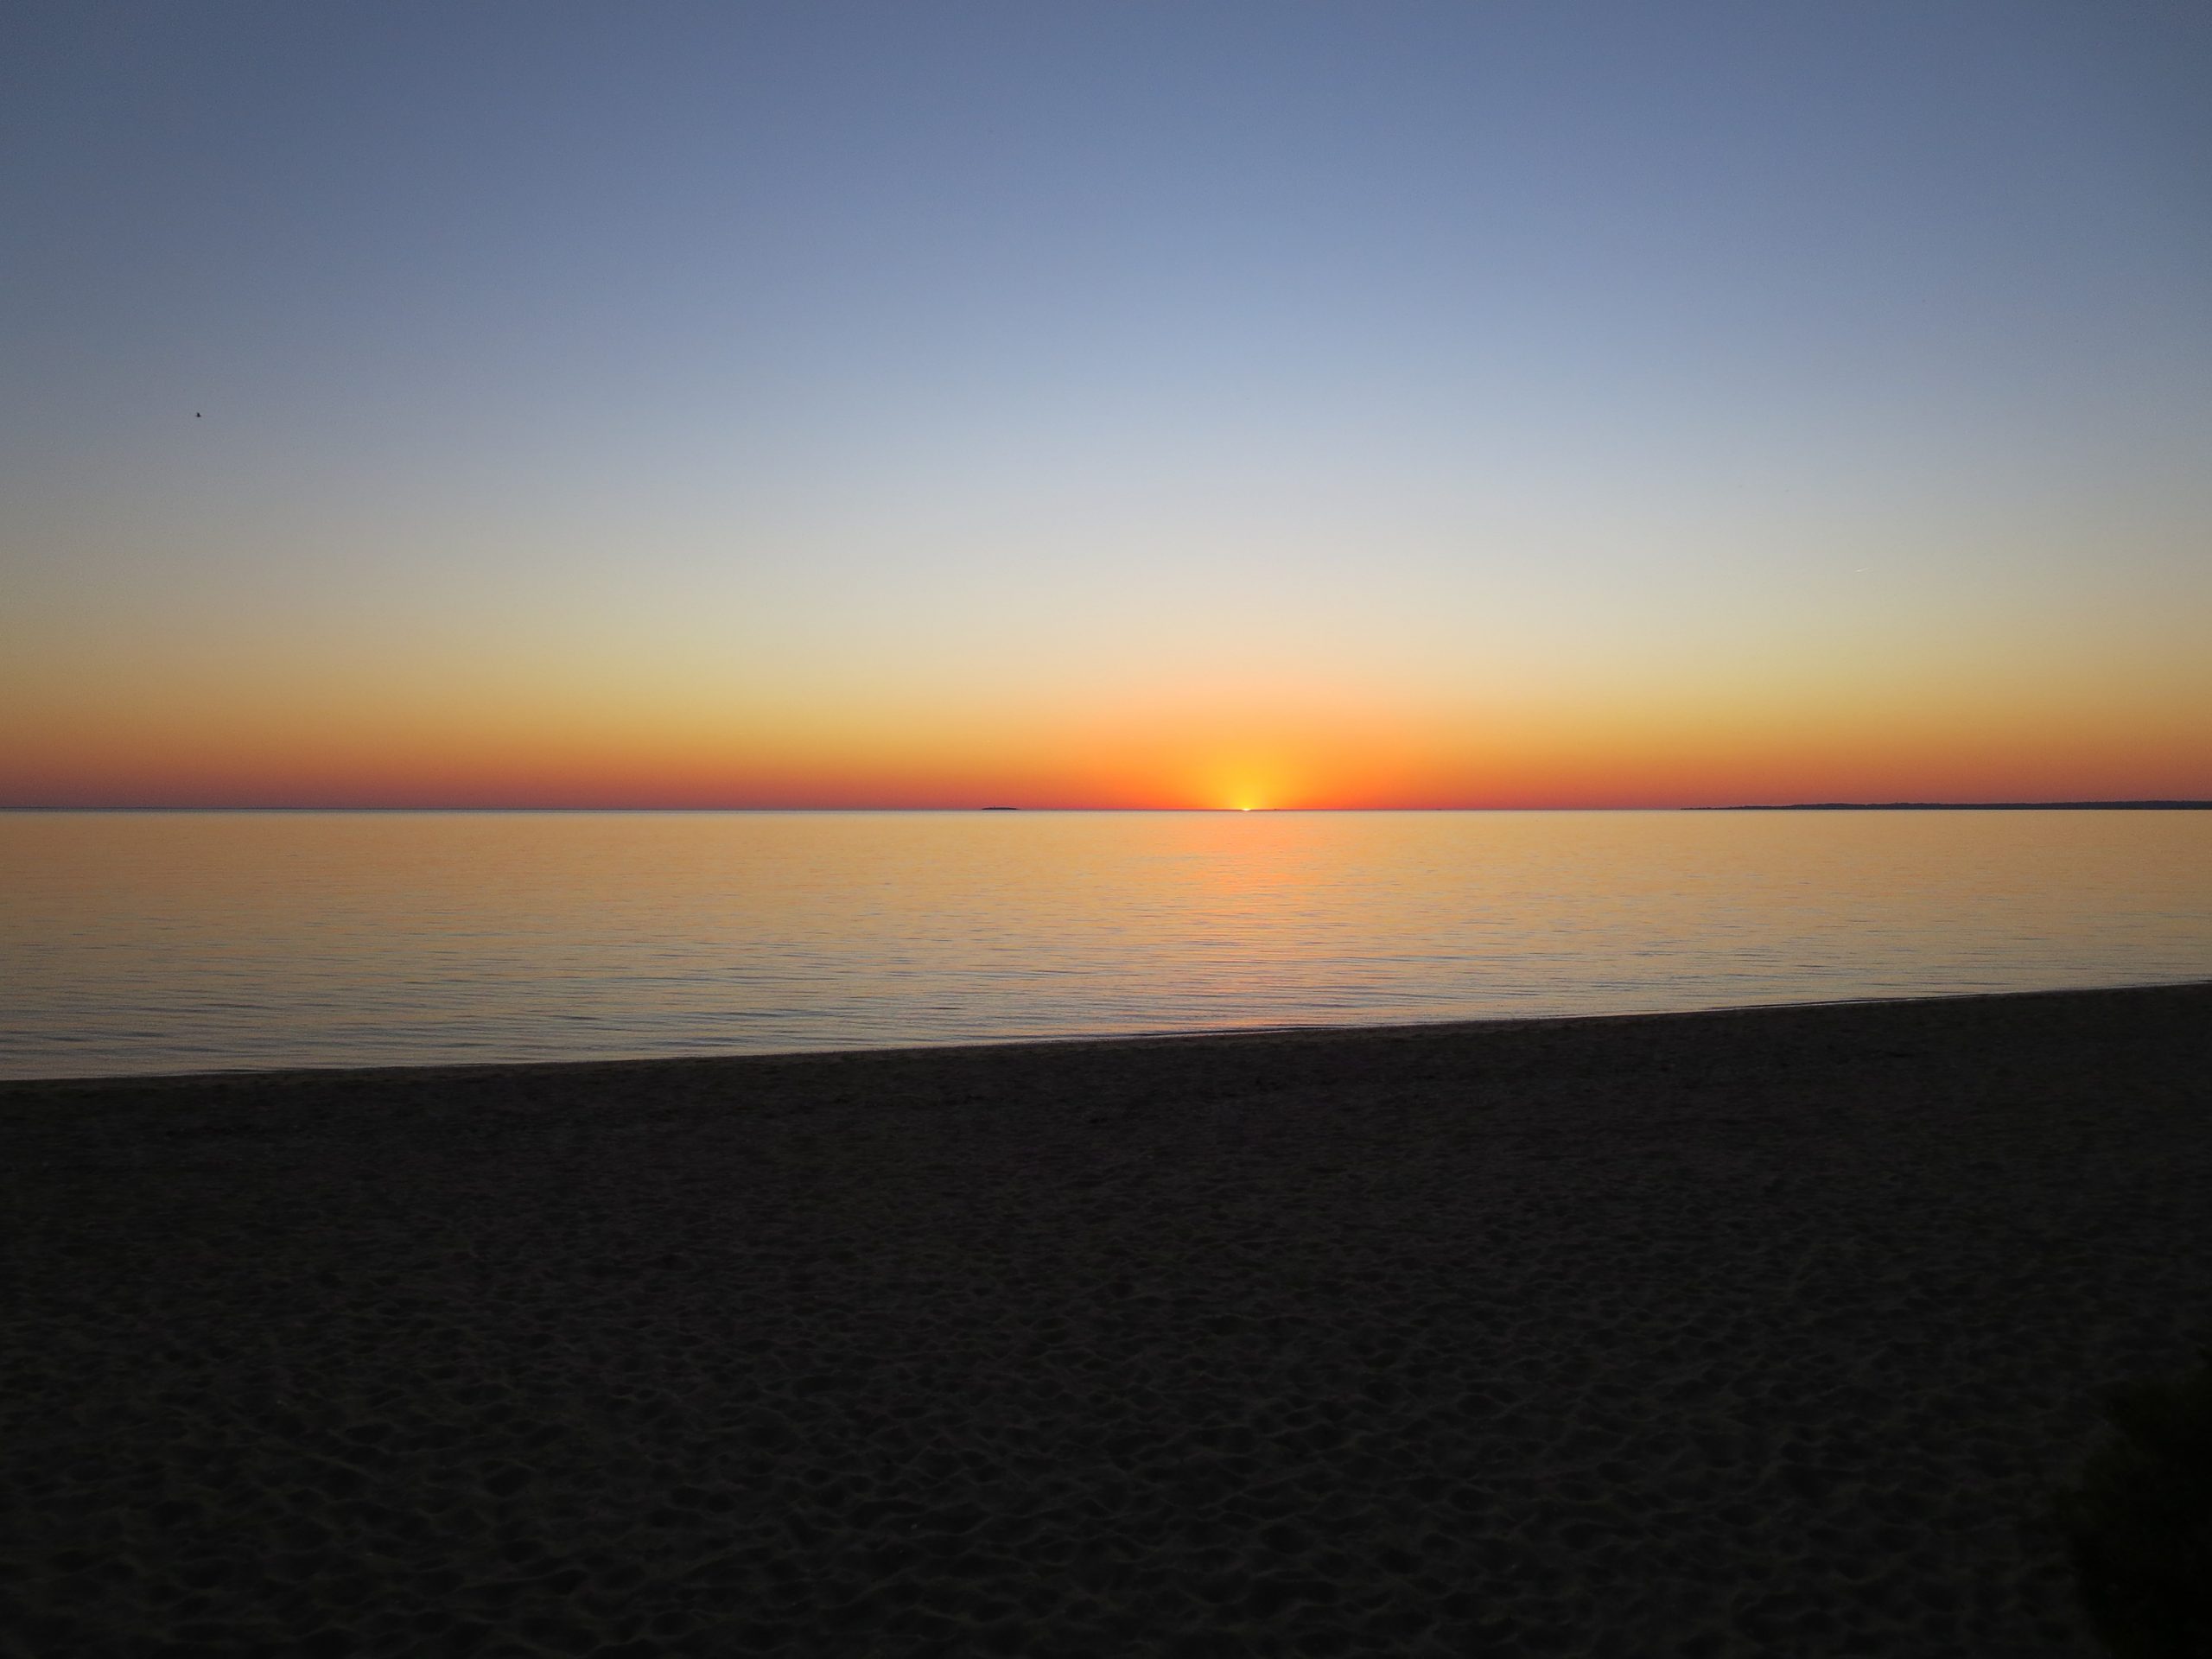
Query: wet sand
x,y
1752,1332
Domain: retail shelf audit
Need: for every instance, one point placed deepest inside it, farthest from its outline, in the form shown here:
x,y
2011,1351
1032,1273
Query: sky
x,y
1131,404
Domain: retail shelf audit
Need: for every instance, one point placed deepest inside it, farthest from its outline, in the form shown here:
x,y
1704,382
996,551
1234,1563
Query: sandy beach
x,y
1749,1332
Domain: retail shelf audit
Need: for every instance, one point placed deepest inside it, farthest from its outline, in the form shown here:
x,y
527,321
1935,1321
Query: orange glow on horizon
x,y
1368,758
534,732
914,439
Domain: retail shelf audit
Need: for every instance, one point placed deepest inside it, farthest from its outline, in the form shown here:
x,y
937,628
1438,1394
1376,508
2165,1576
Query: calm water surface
x,y
170,942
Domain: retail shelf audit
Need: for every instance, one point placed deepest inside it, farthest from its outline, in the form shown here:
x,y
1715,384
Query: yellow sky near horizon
x,y
1342,407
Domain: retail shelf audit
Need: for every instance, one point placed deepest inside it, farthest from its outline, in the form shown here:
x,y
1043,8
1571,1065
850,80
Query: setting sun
x,y
624,634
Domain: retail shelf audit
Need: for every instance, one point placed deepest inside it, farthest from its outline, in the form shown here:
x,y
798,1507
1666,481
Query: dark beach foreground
x,y
1759,1332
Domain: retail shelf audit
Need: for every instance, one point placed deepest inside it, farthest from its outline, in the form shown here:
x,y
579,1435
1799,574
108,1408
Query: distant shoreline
x,y
1966,806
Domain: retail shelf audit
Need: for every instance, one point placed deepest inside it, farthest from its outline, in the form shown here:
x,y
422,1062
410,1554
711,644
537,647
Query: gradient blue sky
x,y
1113,403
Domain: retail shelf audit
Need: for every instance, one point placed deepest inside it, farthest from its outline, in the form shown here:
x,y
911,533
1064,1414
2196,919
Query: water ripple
x,y
165,941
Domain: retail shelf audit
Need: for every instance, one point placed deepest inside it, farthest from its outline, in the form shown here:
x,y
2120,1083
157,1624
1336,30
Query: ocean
x,y
170,942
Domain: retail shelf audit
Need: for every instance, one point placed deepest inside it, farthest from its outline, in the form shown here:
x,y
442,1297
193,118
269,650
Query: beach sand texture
x,y
1759,1332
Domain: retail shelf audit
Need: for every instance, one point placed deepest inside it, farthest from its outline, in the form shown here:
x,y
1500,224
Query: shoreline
x,y
403,1071
1729,1331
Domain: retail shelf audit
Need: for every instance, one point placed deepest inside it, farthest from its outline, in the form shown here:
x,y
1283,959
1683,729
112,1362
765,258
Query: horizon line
x,y
2175,804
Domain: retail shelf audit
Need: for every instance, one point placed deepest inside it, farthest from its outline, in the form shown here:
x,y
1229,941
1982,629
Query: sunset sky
x,y
1104,405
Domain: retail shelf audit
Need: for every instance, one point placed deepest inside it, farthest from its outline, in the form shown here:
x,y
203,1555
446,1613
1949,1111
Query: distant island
x,y
1970,806
1001,809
